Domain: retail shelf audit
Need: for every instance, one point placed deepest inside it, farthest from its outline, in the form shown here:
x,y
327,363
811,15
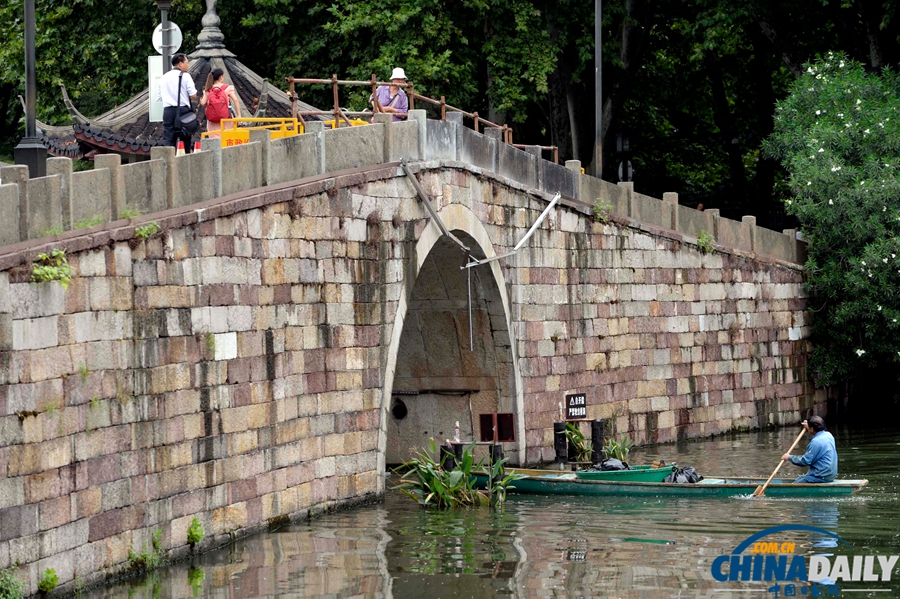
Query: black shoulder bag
x,y
188,120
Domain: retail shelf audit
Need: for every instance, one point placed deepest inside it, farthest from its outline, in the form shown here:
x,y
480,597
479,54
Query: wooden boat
x,y
643,474
554,482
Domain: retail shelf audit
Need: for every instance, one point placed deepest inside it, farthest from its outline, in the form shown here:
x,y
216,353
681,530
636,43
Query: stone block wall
x,y
668,342
222,369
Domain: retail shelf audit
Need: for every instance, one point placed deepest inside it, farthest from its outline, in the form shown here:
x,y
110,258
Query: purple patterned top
x,y
400,102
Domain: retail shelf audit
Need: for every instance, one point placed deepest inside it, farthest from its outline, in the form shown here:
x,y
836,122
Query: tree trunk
x,y
872,18
770,33
573,123
763,184
558,116
725,123
495,116
633,41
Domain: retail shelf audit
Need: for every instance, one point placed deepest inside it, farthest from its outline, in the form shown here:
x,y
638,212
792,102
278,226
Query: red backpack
x,y
217,105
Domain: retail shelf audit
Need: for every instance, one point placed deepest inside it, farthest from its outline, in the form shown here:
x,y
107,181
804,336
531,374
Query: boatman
x,y
821,455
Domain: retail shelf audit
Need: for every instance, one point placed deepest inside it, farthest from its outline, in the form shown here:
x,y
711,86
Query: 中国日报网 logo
x,y
793,575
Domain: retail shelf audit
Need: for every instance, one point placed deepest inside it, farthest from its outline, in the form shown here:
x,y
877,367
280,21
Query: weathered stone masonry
x,y
238,366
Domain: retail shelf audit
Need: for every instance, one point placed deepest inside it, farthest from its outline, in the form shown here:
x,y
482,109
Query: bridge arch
x,y
434,298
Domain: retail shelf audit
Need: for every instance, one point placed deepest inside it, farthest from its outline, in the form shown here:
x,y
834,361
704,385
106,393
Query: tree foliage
x,y
838,135
692,83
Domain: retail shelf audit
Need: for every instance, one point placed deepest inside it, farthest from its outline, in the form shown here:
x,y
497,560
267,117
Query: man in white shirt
x,y
177,102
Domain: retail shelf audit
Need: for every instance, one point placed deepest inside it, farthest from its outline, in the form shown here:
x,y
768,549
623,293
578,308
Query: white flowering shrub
x,y
838,135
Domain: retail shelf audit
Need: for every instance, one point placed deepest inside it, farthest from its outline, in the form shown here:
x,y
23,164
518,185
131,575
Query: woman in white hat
x,y
391,98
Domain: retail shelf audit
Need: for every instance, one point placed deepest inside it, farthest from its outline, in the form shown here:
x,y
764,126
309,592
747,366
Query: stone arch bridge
x,y
286,319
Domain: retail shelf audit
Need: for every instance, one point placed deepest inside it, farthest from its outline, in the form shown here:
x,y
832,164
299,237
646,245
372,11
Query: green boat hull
x,y
641,474
549,482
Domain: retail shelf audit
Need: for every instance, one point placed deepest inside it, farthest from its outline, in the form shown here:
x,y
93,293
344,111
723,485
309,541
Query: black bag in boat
x,y
686,475
613,464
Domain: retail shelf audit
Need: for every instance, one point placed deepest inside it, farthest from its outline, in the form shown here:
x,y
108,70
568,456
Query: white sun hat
x,y
398,74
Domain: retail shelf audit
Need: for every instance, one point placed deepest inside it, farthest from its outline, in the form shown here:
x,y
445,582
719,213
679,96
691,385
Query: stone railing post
x,y
670,200
9,207
387,120
457,119
496,136
535,151
18,175
575,165
629,197
419,117
795,244
63,168
264,137
317,128
167,155
113,162
215,147
750,221
712,219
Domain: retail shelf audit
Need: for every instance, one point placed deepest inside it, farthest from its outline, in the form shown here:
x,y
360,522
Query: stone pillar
x,y
419,117
629,196
796,251
712,218
113,162
750,221
9,207
317,128
670,200
63,168
388,121
6,329
535,151
496,136
264,137
575,165
215,147
18,175
167,155
457,119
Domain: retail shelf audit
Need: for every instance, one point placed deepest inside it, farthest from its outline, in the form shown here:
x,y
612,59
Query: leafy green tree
x,y
838,135
97,48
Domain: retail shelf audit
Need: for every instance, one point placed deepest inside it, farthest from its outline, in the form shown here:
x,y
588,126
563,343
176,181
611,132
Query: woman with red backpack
x,y
216,94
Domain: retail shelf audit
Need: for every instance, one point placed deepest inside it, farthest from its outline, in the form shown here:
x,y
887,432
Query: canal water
x,y
562,546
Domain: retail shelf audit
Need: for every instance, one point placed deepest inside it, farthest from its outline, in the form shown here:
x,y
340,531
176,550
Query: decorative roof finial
x,y
211,40
211,36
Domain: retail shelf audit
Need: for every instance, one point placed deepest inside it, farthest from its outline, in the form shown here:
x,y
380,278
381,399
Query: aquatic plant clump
x,y
424,480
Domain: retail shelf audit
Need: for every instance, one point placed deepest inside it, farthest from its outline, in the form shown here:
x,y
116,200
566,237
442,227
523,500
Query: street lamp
x,y
30,151
164,6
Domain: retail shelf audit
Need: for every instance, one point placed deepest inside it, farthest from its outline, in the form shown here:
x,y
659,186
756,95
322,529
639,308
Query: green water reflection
x,y
557,546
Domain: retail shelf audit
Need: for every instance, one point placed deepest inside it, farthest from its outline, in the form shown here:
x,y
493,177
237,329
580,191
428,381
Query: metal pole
x,y
30,87
471,334
598,88
166,40
31,151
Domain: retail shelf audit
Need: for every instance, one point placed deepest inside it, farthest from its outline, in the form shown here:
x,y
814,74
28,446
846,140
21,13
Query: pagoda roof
x,y
127,128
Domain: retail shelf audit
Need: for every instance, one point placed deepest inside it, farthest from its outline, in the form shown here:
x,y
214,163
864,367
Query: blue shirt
x,y
821,457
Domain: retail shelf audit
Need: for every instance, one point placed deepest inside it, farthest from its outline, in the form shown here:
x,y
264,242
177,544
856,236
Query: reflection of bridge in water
x,y
540,546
